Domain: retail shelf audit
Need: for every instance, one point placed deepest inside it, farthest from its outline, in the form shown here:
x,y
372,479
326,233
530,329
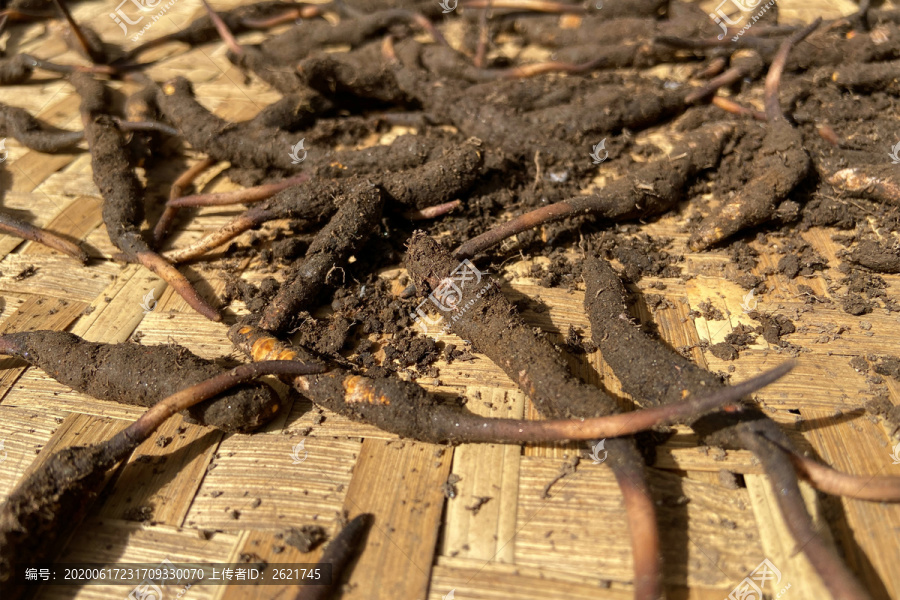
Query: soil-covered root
x,y
351,226
880,183
652,189
49,502
439,180
338,553
872,77
631,354
477,311
780,165
141,376
360,74
295,111
16,69
242,144
13,226
508,131
122,192
19,124
408,410
296,43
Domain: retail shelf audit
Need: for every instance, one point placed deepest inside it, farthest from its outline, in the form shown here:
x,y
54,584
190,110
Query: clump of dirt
x,y
800,259
888,365
577,343
255,297
641,256
560,271
772,327
306,538
863,288
737,340
743,256
878,257
881,406
407,349
709,312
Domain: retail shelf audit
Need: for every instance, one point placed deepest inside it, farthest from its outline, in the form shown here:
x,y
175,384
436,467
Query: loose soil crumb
x,y
306,538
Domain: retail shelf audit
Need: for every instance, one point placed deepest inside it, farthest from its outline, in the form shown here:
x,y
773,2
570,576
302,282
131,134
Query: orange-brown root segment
x,y
26,231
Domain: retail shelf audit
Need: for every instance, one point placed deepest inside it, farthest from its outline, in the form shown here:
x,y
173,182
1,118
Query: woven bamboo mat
x,y
206,496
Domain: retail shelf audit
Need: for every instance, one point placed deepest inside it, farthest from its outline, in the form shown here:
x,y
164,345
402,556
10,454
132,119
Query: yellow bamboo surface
x,y
208,496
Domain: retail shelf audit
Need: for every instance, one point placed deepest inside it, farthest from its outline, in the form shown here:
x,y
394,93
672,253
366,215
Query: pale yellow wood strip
x,y
74,222
859,446
23,433
56,276
261,467
36,209
189,329
777,543
112,542
75,430
163,474
472,580
31,168
487,471
271,547
400,484
584,514
118,309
